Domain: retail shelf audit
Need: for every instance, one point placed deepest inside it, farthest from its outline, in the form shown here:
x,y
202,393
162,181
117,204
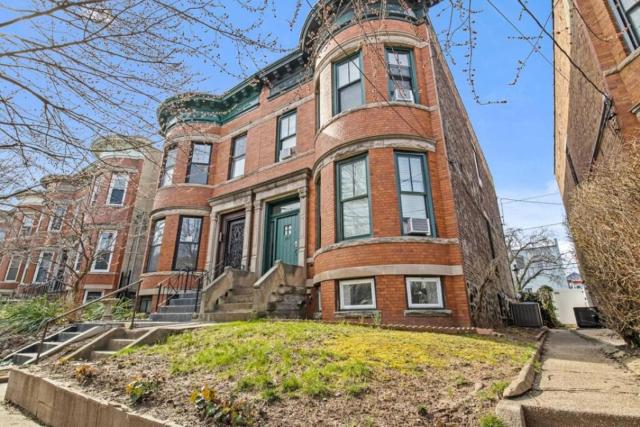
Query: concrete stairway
x,y
236,305
117,341
180,308
53,343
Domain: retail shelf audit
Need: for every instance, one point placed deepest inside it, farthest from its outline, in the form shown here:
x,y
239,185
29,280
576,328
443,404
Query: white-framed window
x,y
166,176
27,226
91,295
238,153
357,294
77,263
286,135
104,251
95,191
13,269
43,270
56,220
117,189
424,292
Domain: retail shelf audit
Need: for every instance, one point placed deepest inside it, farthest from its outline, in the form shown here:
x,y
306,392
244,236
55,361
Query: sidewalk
x,y
11,417
579,386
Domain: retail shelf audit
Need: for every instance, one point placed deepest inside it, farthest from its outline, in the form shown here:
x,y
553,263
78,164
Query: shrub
x,y
491,420
85,374
29,315
140,389
603,213
219,410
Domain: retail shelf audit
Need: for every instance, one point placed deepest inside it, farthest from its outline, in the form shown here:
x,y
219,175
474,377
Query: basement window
x,y
359,294
424,292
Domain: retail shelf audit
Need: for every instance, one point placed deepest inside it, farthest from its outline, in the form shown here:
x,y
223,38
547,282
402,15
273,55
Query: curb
x,y
526,376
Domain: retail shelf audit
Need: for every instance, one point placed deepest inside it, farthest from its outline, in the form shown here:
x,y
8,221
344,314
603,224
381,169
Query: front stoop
x,y
56,405
181,308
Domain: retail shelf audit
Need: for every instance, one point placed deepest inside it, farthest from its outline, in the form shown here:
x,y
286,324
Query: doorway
x,y
282,223
231,242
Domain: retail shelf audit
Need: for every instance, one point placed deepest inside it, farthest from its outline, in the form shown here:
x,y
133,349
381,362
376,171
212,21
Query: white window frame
x,y
86,294
343,283
435,280
6,274
77,259
53,217
95,255
95,190
114,176
40,257
33,221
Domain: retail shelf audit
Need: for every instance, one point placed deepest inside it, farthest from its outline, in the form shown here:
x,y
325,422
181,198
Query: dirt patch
x,y
455,381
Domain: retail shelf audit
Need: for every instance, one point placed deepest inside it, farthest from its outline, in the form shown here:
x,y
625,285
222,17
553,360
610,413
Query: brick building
x,y
86,230
596,83
354,159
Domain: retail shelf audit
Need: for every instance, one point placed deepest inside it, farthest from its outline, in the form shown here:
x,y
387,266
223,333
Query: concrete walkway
x,y
579,386
10,416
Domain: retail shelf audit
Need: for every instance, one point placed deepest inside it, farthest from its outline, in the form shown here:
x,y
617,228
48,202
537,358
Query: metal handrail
x,y
81,307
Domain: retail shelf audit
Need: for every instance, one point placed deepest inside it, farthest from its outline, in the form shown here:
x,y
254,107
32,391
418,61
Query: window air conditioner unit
x,y
419,226
285,153
403,95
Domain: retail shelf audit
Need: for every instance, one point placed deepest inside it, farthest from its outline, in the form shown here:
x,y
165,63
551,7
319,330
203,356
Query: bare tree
x,y
530,256
73,70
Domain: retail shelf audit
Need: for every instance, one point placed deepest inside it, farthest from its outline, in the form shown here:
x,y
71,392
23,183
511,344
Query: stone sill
x,y
355,314
426,312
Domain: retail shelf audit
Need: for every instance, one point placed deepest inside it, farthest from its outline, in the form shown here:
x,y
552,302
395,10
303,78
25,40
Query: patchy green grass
x,y
285,359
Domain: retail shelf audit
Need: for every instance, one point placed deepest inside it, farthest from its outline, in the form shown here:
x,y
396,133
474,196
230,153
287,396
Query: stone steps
x,y
118,343
235,306
172,317
231,316
233,298
101,354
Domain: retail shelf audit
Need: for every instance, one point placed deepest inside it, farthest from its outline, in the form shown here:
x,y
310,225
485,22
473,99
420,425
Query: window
x,y
475,162
117,189
95,191
44,267
3,234
319,299
490,237
348,84
102,259
353,199
199,164
318,213
238,150
402,86
357,294
286,136
628,15
91,296
154,247
27,226
77,265
424,292
144,306
415,198
186,257
166,177
13,269
55,223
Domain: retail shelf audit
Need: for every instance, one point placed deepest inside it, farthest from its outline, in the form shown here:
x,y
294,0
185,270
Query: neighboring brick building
x,y
352,157
602,39
107,204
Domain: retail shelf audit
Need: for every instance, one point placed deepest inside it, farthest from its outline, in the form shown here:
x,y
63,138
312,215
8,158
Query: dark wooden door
x,y
232,242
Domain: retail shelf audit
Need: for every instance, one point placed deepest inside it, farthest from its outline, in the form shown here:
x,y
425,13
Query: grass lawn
x,y
302,373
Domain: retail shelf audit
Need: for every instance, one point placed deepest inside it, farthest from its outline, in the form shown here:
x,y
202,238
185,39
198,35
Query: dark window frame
x,y
152,246
337,108
340,202
630,34
318,185
178,242
389,50
427,194
163,173
191,163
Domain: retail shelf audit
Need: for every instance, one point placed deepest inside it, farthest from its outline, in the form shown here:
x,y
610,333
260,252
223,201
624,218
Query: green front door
x,y
282,243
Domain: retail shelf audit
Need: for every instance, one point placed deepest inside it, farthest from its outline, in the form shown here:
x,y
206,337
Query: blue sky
x,y
517,136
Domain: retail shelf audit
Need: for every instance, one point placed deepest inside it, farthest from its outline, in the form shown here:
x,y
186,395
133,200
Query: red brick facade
x,y
379,129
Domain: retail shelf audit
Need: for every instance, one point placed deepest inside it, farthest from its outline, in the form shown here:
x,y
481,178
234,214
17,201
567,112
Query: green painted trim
x,y
269,230
427,186
412,67
336,109
339,225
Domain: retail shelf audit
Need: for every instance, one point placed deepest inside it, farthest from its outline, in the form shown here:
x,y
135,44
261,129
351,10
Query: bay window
x,y
199,164
353,199
155,244
188,244
402,84
117,189
627,13
166,176
415,196
348,89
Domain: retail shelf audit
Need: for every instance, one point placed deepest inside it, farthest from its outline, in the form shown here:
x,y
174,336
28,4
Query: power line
x,y
531,201
540,196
